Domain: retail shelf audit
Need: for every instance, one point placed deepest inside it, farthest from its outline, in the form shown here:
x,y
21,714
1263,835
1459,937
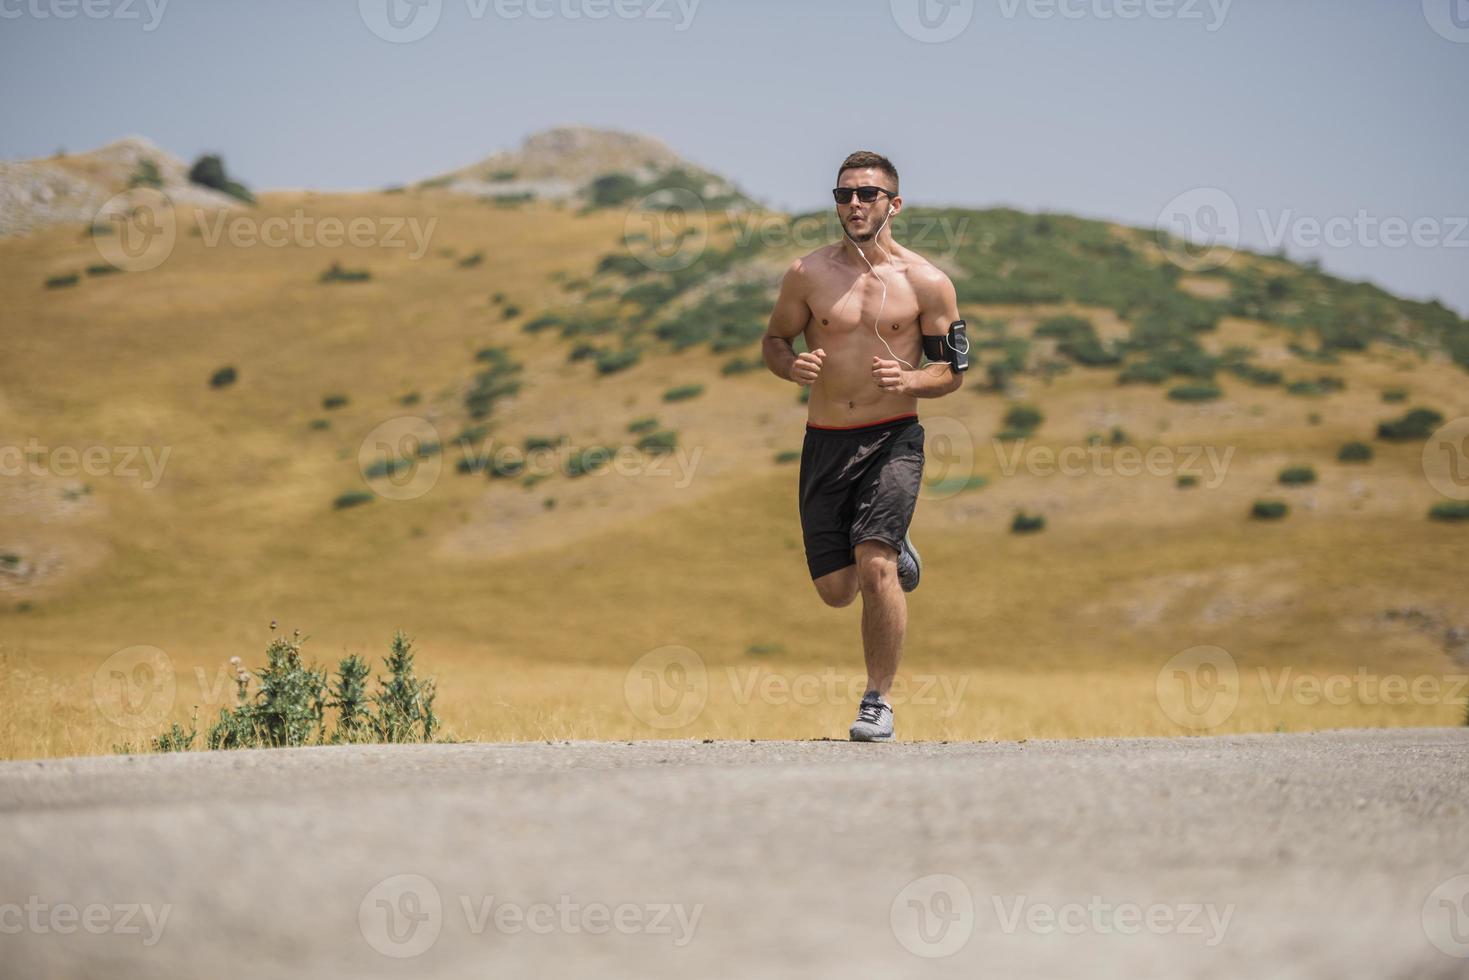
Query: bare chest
x,y
842,308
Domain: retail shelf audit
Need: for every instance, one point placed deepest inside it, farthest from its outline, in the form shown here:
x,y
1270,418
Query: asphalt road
x,y
1330,855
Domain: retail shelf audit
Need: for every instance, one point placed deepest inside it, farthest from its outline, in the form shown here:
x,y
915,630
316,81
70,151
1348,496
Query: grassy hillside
x,y
532,596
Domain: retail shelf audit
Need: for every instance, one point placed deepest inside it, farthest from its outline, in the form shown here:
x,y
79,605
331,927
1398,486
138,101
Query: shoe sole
x,y
873,738
917,562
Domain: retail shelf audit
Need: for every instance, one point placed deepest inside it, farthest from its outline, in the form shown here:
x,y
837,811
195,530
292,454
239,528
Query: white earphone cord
x,y
873,270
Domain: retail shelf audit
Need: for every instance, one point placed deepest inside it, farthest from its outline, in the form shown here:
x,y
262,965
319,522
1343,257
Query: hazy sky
x,y
1347,113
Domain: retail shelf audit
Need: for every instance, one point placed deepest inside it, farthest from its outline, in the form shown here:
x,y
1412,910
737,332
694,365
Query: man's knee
x,y
838,588
877,566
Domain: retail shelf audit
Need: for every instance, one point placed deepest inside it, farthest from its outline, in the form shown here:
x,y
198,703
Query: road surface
x,y
1341,854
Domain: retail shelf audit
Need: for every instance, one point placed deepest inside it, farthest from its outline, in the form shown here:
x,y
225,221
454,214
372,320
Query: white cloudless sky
x,y
1303,112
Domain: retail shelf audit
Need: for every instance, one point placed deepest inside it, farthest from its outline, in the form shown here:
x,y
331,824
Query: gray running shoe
x,y
874,720
910,565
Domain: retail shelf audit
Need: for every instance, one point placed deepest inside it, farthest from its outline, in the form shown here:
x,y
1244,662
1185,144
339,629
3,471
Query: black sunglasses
x,y
866,194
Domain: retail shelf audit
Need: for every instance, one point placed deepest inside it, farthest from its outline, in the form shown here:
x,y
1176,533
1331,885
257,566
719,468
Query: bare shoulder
x,y
803,270
927,279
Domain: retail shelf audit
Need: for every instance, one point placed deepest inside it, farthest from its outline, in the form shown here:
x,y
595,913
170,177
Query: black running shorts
x,y
858,484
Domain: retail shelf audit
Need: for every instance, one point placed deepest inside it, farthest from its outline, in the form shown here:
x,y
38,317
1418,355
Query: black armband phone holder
x,y
953,349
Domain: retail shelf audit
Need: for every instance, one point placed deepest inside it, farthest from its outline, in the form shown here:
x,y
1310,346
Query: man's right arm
x,y
787,321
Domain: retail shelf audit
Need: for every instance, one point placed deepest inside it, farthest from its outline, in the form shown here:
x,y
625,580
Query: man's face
x,y
862,219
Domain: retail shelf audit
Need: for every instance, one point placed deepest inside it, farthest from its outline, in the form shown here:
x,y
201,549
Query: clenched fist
x,y
807,366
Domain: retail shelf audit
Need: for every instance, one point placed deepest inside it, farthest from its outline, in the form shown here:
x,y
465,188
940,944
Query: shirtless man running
x,y
868,307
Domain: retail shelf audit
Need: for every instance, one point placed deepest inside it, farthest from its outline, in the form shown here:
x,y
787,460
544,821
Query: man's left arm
x,y
938,309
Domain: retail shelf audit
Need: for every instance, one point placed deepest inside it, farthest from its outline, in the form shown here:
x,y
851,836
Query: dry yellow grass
x,y
533,614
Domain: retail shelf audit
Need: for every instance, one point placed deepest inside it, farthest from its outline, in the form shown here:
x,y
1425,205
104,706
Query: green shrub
x,y
412,398
470,261
610,190
540,323
587,460
1021,421
683,393
352,498
502,469
1186,480
1393,395
208,171
788,456
1269,510
102,269
643,425
61,282
1417,424
1195,393
658,443
338,274
405,705
1294,476
147,175
1449,510
223,378
533,443
610,362
511,312
319,425
334,401
1354,452
1024,523
1144,372
741,365
177,739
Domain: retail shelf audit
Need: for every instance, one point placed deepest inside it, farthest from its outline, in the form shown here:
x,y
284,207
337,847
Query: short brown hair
x,y
863,159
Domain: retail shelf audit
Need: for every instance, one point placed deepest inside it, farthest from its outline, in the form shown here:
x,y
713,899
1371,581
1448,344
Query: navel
x,y
824,322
